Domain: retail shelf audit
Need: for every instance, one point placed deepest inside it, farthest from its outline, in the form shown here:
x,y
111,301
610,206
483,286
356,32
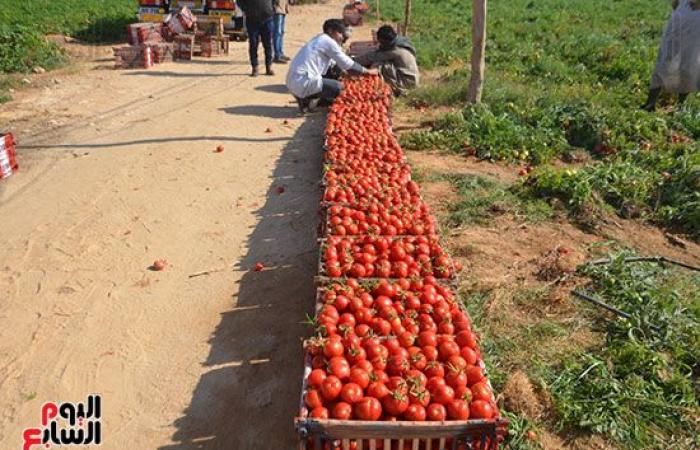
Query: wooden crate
x,y
211,25
184,46
332,434
359,48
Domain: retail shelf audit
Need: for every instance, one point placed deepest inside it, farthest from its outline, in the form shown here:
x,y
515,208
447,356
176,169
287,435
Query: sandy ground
x,y
118,169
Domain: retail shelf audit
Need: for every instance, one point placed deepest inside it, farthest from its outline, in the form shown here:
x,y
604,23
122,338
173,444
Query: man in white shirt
x,y
305,78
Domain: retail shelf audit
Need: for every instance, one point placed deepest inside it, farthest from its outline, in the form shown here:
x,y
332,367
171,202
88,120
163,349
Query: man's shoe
x,y
303,104
255,72
285,58
269,71
279,61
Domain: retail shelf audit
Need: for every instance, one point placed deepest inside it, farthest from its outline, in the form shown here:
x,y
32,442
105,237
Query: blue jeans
x,y
260,32
279,34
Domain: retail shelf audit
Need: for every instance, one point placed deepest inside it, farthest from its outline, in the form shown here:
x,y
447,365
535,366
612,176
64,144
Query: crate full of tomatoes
x,y
394,362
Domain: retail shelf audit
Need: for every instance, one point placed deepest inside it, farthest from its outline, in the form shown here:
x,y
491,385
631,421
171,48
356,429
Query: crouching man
x,y
305,78
395,59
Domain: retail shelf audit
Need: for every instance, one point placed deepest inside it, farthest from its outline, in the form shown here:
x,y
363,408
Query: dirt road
x,y
127,175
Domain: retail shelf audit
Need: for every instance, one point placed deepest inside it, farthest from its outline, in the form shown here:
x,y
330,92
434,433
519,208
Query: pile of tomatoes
x,y
391,341
376,219
371,256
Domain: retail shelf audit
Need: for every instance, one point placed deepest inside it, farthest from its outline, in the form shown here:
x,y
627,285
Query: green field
x,y
23,25
564,82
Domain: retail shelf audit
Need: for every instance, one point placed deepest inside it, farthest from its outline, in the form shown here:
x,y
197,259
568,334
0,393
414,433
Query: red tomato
x,y
397,365
369,408
481,409
395,403
434,369
481,391
331,387
360,377
418,360
339,367
377,389
458,410
341,411
316,377
456,362
443,395
430,352
419,396
436,411
469,355
351,393
474,374
427,338
456,378
313,399
463,393
319,413
447,349
415,412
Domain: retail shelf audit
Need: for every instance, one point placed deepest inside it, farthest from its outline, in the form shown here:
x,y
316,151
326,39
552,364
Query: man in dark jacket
x,y
396,60
259,23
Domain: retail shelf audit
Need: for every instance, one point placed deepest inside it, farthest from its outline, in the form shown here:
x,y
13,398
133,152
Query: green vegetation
x,y
564,78
641,388
636,384
22,49
481,199
87,20
23,25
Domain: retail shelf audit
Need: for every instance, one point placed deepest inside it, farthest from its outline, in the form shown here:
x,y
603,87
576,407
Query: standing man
x,y
259,21
395,59
281,11
677,68
305,78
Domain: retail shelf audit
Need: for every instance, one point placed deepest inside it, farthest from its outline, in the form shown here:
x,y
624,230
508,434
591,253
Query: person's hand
x,y
372,71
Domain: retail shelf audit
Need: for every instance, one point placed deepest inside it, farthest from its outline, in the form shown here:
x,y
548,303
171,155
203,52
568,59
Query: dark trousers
x,y
260,32
331,89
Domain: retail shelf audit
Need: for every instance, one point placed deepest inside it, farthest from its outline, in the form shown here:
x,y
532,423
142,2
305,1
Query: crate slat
x,y
350,429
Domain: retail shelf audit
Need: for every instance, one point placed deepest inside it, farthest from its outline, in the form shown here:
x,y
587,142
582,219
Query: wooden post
x,y
379,15
478,50
406,17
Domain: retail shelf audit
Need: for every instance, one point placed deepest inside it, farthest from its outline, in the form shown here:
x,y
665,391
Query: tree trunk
x,y
478,50
406,17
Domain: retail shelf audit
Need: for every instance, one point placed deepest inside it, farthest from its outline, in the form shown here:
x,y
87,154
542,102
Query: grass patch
x,y
621,379
641,388
482,199
22,49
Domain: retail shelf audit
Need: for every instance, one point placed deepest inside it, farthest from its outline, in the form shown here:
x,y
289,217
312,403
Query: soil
x,y
117,169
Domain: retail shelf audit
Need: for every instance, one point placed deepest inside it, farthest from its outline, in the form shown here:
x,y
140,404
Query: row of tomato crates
x,y
364,257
